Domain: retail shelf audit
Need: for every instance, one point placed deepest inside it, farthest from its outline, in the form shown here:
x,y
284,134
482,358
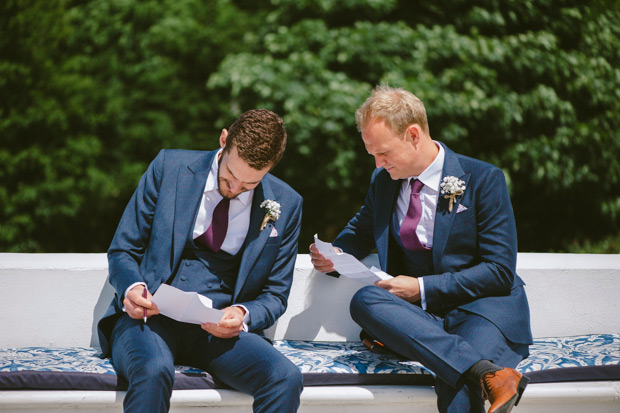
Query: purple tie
x,y
214,236
408,234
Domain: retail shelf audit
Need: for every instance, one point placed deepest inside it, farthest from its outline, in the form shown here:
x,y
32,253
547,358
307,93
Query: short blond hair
x,y
397,107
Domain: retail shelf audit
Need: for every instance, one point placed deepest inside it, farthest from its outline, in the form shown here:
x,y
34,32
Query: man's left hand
x,y
229,326
407,288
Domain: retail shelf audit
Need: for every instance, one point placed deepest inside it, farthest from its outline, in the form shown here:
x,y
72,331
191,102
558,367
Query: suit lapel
x,y
190,187
256,239
444,218
387,191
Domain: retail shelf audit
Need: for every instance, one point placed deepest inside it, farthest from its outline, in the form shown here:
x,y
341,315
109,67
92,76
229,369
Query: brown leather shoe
x,y
503,388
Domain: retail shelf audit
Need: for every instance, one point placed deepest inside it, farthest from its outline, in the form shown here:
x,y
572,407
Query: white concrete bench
x,y
55,300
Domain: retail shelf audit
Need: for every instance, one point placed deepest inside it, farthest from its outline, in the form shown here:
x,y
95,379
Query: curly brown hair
x,y
260,138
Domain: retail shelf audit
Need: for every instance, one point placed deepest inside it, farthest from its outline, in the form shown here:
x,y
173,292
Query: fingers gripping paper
x,y
349,266
187,307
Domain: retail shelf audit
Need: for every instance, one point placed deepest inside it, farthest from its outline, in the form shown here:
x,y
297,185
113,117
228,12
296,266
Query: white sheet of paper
x,y
187,307
349,266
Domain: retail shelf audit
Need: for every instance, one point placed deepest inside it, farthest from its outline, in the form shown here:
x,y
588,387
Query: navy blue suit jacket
x,y
159,219
474,251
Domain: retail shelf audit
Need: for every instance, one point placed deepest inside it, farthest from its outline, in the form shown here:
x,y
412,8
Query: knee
x,y
363,298
293,378
154,371
280,391
288,378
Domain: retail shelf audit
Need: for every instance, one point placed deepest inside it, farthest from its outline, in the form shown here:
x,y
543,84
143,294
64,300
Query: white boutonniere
x,y
272,212
451,187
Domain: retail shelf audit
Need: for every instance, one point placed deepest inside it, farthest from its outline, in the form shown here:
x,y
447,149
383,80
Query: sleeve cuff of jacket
x,y
129,288
246,317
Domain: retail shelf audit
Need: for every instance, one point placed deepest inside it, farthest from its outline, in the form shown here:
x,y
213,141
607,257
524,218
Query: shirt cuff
x,y
422,294
246,316
129,288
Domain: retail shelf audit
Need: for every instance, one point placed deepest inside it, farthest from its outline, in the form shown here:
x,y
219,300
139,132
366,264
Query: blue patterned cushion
x,y
323,362
590,357
577,358
76,368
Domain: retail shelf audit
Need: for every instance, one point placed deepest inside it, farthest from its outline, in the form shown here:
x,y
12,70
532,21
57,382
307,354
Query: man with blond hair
x,y
443,224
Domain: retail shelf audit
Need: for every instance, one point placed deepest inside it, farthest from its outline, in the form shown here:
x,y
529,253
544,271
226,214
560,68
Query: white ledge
x,y
69,262
560,287
593,397
549,261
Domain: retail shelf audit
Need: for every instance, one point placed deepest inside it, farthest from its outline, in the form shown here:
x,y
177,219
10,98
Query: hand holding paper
x,y
229,326
187,307
349,266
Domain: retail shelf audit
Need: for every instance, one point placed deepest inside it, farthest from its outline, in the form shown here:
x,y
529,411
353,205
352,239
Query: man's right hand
x,y
403,286
319,261
135,303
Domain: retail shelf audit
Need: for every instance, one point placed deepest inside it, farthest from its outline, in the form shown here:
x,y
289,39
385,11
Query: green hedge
x,y
92,90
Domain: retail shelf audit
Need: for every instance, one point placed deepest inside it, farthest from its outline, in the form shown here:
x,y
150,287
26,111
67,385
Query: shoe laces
x,y
487,384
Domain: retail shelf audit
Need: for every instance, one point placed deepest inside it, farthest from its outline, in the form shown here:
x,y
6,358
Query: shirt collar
x,y
212,184
431,176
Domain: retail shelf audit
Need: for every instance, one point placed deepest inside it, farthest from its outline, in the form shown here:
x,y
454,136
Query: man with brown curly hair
x,y
216,223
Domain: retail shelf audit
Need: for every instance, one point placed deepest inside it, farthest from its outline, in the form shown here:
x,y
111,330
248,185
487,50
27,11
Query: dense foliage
x,y
92,90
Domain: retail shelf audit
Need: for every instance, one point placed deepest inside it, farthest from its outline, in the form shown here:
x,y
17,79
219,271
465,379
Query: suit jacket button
x,y
209,285
183,278
187,263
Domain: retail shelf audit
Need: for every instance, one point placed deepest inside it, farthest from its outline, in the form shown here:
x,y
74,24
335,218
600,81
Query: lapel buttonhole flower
x,y
451,187
272,212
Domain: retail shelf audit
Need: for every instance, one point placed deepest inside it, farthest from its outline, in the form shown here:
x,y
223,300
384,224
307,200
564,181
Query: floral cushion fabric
x,y
588,357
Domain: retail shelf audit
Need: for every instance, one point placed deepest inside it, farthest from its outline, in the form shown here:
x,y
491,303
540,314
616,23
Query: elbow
x,y
505,278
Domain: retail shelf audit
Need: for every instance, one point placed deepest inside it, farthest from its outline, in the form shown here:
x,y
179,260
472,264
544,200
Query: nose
x,y
379,162
235,186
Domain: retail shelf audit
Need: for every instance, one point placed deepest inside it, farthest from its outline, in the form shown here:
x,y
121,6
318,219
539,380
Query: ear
x,y
223,137
413,132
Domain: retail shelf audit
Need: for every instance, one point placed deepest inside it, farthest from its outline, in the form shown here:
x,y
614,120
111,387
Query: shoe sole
x,y
514,400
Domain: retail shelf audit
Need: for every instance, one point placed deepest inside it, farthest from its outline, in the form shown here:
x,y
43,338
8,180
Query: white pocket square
x,y
274,232
461,208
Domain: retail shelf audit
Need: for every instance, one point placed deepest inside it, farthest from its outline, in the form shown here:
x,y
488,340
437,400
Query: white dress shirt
x,y
429,196
238,220
238,212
